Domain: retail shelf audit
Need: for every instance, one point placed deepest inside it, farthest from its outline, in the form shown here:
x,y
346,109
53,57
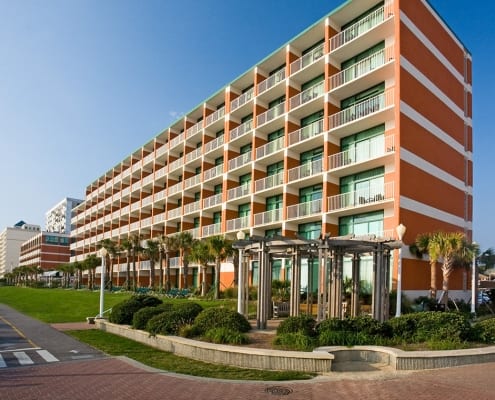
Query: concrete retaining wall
x,y
317,361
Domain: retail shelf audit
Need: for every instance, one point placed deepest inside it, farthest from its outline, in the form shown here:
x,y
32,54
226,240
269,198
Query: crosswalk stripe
x,y
2,362
47,356
23,358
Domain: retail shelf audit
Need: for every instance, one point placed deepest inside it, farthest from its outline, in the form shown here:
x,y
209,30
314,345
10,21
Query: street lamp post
x,y
103,254
240,281
473,280
401,230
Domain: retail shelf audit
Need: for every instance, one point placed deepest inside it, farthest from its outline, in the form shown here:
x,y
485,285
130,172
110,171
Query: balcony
x,y
194,233
147,201
307,59
306,170
362,198
271,114
161,173
126,191
177,140
268,217
192,207
161,151
192,181
160,195
363,34
270,147
214,144
239,161
241,130
365,114
175,213
376,68
307,95
211,230
159,218
176,164
306,132
175,189
213,172
239,191
149,158
148,179
241,100
238,223
210,119
212,201
269,182
145,223
306,209
366,151
136,186
271,81
193,130
192,155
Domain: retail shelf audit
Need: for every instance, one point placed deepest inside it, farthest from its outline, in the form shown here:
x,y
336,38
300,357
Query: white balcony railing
x,y
304,209
175,262
241,129
271,114
161,172
238,223
213,229
215,116
363,67
357,198
193,180
147,201
160,195
177,140
213,172
363,109
148,179
214,144
194,129
175,213
176,164
307,95
212,200
192,155
161,150
268,217
241,100
135,206
270,147
239,191
369,149
271,81
269,182
307,59
148,158
362,26
192,207
175,188
306,132
306,170
239,161
194,233
159,218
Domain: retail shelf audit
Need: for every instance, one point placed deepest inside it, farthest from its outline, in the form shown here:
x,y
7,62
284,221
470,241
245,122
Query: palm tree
x,y
200,253
90,263
450,246
220,248
79,267
112,249
184,241
426,244
152,252
126,246
135,251
165,245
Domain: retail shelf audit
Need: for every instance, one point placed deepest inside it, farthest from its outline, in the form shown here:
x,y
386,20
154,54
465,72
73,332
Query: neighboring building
x,y
46,250
11,239
58,219
360,123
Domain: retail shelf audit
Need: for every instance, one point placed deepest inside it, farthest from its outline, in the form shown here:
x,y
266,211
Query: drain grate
x,y
278,390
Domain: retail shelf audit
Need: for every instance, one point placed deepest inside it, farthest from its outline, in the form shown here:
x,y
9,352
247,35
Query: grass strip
x,y
118,346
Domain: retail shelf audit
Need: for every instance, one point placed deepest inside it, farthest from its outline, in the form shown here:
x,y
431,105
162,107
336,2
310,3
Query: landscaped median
x,y
277,360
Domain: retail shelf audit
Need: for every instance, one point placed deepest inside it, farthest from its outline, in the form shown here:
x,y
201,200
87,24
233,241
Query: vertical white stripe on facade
x,y
435,213
431,169
409,67
430,46
432,128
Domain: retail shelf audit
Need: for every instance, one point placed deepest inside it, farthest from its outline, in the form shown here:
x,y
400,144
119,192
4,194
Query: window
x,y
311,193
362,96
311,118
218,189
218,161
310,49
361,56
274,202
269,233
196,222
275,135
197,196
364,145
310,231
276,102
220,133
246,148
312,82
245,179
362,16
361,224
274,169
217,217
247,118
367,186
244,210
197,170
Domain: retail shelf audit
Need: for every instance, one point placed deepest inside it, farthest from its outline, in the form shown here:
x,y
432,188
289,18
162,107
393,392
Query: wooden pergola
x,y
329,252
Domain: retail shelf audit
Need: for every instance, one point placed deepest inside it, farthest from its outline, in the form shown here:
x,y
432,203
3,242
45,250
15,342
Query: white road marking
x,y
23,358
47,356
2,362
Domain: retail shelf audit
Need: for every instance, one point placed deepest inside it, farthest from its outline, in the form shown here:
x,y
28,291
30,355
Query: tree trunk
x,y
446,271
167,270
160,283
152,274
433,279
134,276
217,279
203,282
128,274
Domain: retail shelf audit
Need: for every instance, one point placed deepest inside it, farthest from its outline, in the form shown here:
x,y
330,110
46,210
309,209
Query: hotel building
x,y
358,124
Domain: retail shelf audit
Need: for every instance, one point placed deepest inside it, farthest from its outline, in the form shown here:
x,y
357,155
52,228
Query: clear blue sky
x,y
85,83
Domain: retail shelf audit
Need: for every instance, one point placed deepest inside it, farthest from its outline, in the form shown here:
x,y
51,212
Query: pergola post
x,y
356,284
295,283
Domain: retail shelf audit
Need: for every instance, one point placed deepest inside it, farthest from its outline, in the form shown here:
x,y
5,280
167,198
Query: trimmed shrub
x,y
224,335
486,330
123,312
142,316
304,324
170,322
221,318
296,341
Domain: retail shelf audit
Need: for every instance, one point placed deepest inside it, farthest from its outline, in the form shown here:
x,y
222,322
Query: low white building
x,y
58,218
